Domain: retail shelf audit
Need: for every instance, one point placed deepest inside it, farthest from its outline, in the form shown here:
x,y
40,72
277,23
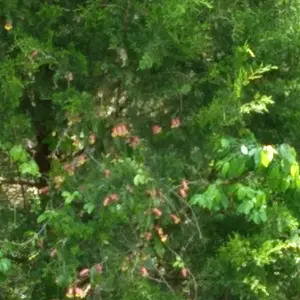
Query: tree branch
x,y
20,182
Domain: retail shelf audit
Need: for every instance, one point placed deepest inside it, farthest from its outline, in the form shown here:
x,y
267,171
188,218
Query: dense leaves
x,y
149,149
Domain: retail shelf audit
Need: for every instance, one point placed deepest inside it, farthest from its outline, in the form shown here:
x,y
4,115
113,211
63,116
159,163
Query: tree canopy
x,y
149,149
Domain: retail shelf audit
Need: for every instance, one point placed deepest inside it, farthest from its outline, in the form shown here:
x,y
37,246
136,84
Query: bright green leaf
x,y
89,207
197,199
225,143
263,215
5,265
29,168
288,153
242,192
18,153
225,168
225,201
245,207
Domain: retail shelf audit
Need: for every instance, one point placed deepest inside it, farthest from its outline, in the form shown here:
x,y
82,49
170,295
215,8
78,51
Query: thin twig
x,y
191,209
60,141
33,238
19,182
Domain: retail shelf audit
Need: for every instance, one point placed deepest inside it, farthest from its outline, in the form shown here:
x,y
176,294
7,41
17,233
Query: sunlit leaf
x,y
244,150
294,169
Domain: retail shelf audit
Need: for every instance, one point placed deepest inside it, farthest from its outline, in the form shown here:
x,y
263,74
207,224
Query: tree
x,y
144,149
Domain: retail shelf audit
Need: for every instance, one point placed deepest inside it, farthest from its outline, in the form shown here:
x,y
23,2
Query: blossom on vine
x,y
156,129
175,123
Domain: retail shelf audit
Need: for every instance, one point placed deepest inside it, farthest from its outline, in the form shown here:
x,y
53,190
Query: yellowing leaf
x,y
265,158
267,155
8,26
164,238
294,169
250,52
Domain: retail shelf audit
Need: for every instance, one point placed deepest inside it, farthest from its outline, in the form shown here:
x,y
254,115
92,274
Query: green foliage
x,y
148,149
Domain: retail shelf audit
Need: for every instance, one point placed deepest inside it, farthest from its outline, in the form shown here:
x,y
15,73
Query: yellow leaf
x,y
8,26
250,52
294,169
164,238
267,155
266,158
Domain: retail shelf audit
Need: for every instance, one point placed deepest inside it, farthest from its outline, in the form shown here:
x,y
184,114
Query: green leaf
x,y
263,215
70,197
225,168
159,248
233,188
18,153
185,89
256,217
274,177
41,218
253,152
250,193
242,192
89,207
95,276
261,198
149,264
29,168
297,180
5,265
285,184
288,153
65,194
146,62
197,199
224,200
225,143
139,179
237,166
245,207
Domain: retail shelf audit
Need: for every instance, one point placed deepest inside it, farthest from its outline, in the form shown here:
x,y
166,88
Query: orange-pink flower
x,y
157,212
111,198
148,235
69,168
184,185
106,201
175,219
53,252
144,272
84,272
44,190
98,268
156,129
92,139
114,197
107,173
175,123
182,193
184,272
120,130
34,53
134,141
